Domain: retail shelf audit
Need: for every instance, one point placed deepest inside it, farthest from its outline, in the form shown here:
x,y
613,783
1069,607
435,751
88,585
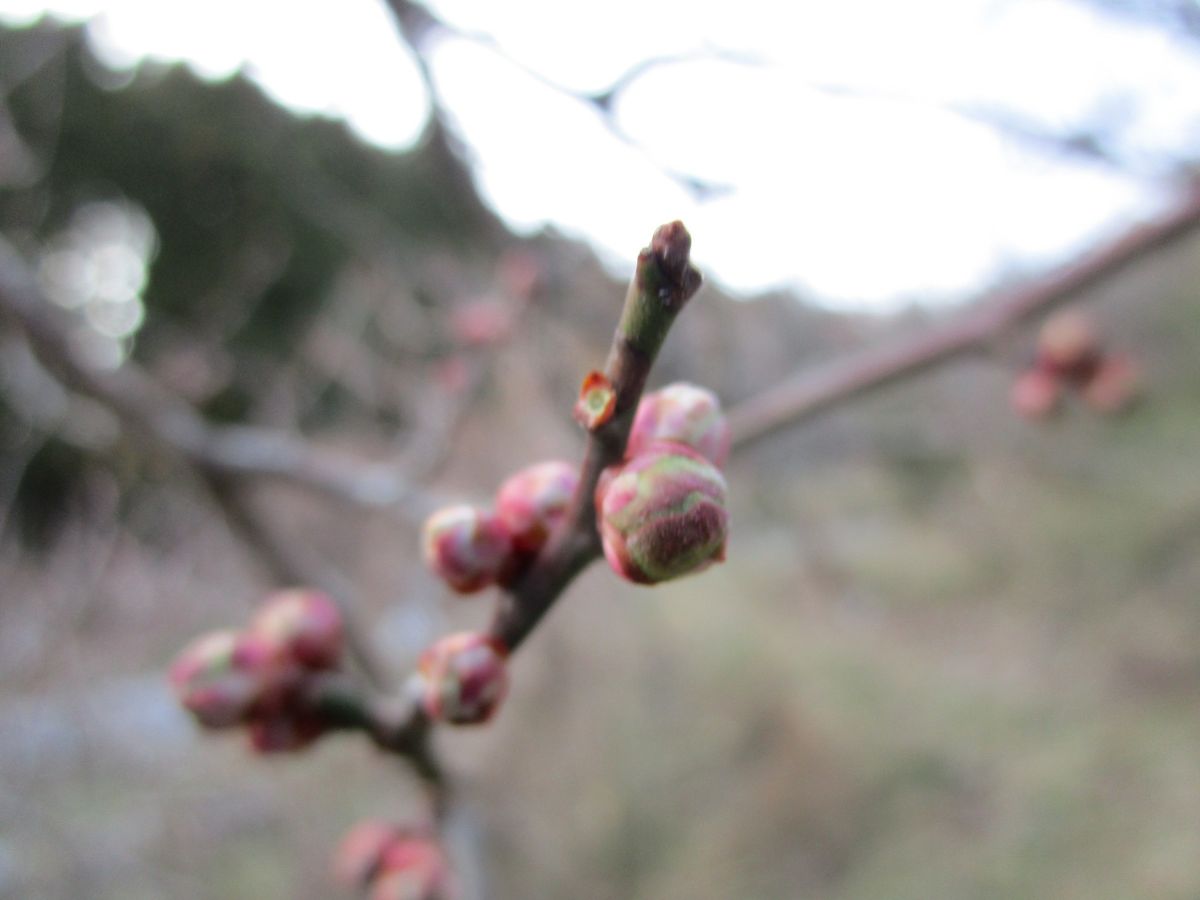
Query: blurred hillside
x,y
951,654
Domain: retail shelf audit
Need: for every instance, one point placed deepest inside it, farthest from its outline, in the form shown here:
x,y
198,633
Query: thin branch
x,y
395,723
146,406
813,391
417,25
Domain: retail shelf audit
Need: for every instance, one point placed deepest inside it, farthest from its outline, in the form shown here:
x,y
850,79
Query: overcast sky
x,y
872,195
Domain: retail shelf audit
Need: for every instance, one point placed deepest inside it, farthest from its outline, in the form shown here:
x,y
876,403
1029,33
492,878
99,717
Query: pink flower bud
x,y
1114,387
209,682
1069,346
662,514
308,624
284,732
683,413
462,678
534,500
360,854
1036,394
468,547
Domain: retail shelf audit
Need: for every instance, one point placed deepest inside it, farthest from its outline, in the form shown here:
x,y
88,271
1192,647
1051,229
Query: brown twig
x,y
813,391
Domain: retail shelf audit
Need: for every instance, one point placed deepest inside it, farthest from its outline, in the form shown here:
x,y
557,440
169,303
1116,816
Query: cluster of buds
x,y
661,512
391,862
471,548
1071,356
462,678
256,677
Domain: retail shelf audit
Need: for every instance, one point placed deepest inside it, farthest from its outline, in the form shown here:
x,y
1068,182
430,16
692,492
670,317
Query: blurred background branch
x,y
810,392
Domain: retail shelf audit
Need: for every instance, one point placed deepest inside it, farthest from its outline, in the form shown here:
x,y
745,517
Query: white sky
x,y
869,203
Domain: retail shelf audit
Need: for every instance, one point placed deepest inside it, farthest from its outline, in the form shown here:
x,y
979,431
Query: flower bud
x,y
534,500
209,682
1068,345
462,678
1116,384
467,547
308,624
683,413
1036,394
360,854
662,514
413,868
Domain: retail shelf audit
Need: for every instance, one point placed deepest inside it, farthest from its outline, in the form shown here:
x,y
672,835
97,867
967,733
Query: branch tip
x,y
675,278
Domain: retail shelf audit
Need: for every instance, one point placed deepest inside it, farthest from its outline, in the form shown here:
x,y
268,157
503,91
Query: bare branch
x,y
811,392
146,406
417,24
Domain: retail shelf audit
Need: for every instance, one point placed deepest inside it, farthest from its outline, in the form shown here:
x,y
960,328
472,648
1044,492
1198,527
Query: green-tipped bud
x,y
662,514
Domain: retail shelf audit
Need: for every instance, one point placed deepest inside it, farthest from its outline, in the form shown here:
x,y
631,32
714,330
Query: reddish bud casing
x,y
597,401
467,547
662,514
462,678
